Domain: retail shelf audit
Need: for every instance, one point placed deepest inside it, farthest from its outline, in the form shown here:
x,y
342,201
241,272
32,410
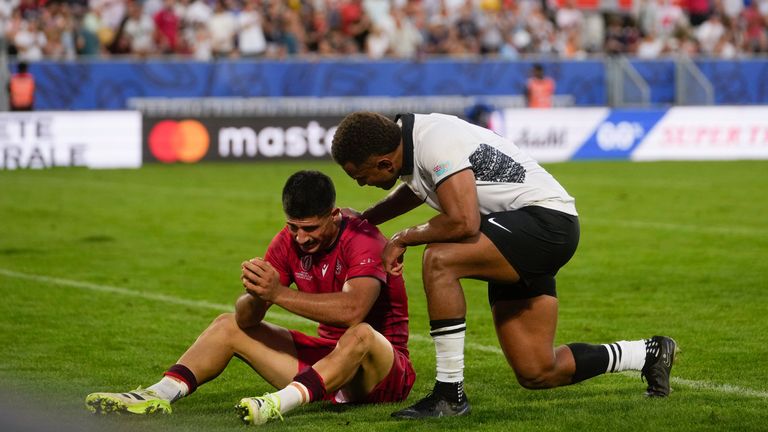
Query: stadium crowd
x,y
208,29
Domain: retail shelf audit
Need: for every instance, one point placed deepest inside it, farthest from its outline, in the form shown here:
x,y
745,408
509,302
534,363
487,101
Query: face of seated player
x,y
376,171
316,233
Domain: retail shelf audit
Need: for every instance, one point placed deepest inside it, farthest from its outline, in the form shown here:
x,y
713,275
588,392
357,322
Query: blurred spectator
x,y
222,26
709,33
754,29
698,11
729,9
197,12
167,28
294,36
202,44
355,22
110,11
568,17
492,28
86,41
406,38
7,9
508,50
377,43
467,29
725,47
650,47
539,88
121,42
542,31
21,89
316,28
250,38
29,9
622,35
30,41
670,18
139,30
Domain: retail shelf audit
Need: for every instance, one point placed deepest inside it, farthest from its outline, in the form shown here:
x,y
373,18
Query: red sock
x,y
313,382
183,374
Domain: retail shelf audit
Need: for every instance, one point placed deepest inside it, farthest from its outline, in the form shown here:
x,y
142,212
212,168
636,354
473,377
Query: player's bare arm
x,y
459,220
250,310
344,309
398,202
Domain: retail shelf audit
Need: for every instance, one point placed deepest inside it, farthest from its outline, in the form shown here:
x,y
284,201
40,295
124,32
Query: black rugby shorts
x,y
537,242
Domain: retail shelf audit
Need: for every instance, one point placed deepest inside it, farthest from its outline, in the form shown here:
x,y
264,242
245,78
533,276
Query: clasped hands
x,y
260,279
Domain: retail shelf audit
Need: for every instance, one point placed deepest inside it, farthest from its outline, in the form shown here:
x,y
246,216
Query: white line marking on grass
x,y
721,388
201,304
117,290
285,316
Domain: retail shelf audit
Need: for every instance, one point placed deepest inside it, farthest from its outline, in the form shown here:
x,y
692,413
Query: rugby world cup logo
x,y
306,262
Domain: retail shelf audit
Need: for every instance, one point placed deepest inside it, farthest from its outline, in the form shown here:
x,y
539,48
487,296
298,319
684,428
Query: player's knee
x,y
358,338
436,259
224,324
535,378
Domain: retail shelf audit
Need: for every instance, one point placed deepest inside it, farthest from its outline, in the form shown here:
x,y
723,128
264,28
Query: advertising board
x,y
90,139
190,140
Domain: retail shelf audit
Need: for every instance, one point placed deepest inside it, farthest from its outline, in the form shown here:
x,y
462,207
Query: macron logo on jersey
x,y
324,269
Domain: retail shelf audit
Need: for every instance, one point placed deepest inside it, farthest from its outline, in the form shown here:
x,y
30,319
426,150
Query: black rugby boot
x,y
657,367
435,405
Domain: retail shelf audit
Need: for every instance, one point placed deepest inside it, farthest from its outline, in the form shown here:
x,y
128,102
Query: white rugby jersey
x,y
436,146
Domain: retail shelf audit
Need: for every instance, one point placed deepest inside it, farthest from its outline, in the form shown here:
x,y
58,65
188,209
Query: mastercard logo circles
x,y
179,141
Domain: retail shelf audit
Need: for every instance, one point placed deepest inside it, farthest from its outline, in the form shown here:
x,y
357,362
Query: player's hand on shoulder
x,y
392,256
350,212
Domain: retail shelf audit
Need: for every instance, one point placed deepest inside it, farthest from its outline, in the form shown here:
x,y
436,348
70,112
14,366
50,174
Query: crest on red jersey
x,y
306,262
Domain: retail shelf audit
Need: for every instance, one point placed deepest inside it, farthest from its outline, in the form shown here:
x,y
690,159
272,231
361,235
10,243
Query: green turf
x,y
670,248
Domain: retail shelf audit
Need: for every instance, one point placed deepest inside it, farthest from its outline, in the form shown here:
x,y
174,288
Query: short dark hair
x,y
362,135
307,194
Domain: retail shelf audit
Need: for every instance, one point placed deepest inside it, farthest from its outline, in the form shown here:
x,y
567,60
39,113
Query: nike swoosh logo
x,y
324,269
491,220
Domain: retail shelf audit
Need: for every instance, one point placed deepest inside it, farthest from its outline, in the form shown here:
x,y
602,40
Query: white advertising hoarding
x,y
550,135
707,133
93,139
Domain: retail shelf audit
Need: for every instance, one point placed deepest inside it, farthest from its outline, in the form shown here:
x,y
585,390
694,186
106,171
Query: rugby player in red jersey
x,y
360,354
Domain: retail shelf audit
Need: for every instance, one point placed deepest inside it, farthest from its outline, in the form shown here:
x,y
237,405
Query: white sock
x,y
626,355
292,396
170,389
449,350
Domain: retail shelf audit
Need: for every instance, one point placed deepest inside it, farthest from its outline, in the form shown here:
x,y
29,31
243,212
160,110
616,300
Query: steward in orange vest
x,y
539,89
21,90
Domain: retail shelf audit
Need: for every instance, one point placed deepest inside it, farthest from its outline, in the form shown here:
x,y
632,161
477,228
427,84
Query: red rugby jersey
x,y
356,253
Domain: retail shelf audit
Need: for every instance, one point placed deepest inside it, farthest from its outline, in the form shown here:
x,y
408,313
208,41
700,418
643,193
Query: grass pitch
x,y
107,276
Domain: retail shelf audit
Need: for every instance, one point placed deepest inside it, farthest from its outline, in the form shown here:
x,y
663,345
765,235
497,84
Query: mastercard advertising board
x,y
191,140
